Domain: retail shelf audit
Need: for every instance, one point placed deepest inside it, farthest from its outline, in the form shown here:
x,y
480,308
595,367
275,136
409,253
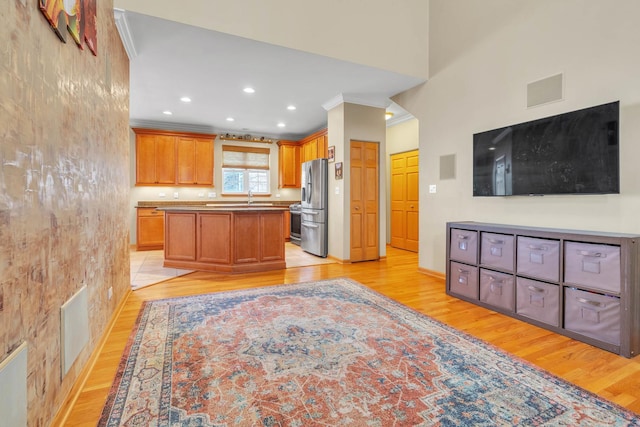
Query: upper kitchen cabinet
x,y
173,158
314,146
155,159
289,164
195,161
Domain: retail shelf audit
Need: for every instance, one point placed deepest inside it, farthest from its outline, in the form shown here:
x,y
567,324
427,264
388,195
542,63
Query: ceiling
x,y
170,60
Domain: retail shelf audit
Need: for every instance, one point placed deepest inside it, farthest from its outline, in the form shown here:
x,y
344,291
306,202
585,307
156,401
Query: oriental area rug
x,y
328,353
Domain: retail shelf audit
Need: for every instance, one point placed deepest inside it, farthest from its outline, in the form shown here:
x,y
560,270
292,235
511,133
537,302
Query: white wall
x,y
400,138
481,63
348,122
355,31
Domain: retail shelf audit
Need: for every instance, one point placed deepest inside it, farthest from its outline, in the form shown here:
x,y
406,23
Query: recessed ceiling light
x,y
249,90
185,99
168,113
291,107
230,119
388,115
281,125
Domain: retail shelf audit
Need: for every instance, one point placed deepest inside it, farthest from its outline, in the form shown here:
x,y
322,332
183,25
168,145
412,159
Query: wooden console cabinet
x,y
225,240
581,284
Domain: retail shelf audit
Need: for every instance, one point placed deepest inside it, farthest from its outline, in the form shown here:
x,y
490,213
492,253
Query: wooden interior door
x,y
404,200
364,201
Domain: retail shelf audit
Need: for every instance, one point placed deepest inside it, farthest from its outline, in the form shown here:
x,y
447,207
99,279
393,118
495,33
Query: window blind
x,y
245,157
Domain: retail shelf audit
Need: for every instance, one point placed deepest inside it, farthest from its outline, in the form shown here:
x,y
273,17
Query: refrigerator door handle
x,y
304,196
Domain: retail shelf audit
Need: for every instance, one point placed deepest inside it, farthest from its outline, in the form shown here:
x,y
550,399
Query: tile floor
x,y
147,269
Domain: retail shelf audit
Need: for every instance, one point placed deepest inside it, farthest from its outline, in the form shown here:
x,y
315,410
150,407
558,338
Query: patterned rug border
x,y
348,282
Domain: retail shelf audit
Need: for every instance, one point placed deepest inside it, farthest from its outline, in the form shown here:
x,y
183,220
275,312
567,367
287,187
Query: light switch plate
x,y
337,190
432,188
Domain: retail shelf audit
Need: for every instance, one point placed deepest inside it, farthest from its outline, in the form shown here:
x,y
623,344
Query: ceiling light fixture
x,y
185,99
167,112
291,107
281,125
249,90
230,119
388,115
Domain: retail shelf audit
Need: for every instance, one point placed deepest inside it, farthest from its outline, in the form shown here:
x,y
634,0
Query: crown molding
x,y
125,34
177,127
397,119
354,99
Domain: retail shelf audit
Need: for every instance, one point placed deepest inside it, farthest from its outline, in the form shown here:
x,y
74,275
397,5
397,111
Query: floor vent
x,y
13,389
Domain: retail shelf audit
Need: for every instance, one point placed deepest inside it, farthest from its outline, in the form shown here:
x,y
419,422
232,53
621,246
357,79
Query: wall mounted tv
x,y
571,153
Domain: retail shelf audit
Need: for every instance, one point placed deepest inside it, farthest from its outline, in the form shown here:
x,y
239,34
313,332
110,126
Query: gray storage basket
x,y
464,280
592,265
497,289
539,258
496,250
464,246
538,300
593,315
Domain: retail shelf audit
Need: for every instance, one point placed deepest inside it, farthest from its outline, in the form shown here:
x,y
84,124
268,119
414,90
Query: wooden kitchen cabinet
x,y
155,160
289,171
195,161
314,146
321,147
286,224
173,158
150,229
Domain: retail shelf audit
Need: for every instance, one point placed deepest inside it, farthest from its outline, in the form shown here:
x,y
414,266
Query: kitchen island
x,y
225,238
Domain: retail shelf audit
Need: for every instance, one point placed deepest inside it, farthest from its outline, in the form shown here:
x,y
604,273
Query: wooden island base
x,y
224,240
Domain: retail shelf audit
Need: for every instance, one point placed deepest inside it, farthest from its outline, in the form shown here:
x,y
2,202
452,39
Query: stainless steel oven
x,y
296,212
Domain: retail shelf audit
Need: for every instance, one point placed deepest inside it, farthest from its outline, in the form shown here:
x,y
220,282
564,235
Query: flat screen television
x,y
571,153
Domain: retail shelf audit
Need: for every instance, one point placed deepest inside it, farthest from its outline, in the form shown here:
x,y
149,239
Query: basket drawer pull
x,y
590,302
592,254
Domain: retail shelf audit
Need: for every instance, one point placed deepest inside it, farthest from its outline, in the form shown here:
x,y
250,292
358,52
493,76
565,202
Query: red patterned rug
x,y
330,353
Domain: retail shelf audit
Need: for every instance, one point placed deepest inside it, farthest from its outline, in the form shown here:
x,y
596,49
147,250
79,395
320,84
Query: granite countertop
x,y
204,203
225,207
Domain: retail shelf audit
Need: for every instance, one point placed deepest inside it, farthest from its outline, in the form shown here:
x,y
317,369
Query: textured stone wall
x,y
64,182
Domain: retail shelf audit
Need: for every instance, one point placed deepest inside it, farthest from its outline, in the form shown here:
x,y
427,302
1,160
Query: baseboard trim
x,y
432,273
65,409
338,260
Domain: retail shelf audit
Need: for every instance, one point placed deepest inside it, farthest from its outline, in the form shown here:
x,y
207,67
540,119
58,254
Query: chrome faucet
x,y
250,194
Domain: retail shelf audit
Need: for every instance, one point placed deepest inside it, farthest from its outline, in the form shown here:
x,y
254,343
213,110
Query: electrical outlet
x,y
200,194
278,195
212,195
432,188
110,293
162,195
176,195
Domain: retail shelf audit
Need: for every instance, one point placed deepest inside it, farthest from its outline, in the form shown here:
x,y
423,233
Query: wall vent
x,y
546,90
13,388
74,324
448,166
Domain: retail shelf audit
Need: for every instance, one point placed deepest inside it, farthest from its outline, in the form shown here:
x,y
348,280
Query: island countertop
x,y
224,207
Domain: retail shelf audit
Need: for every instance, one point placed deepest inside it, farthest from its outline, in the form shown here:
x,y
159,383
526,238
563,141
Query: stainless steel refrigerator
x,y
314,196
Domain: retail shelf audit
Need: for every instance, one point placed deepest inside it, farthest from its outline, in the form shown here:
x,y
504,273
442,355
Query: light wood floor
x,y
611,376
